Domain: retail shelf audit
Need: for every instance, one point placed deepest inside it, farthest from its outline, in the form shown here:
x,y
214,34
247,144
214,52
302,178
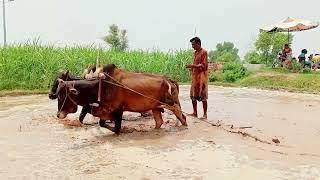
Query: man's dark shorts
x,y
198,98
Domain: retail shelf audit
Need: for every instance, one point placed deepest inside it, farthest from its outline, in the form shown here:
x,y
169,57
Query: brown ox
x,y
158,92
92,71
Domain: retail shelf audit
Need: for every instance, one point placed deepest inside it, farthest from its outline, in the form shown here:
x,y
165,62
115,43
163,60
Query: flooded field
x,y
34,144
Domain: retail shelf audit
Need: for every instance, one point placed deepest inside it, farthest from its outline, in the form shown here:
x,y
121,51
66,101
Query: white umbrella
x,y
290,25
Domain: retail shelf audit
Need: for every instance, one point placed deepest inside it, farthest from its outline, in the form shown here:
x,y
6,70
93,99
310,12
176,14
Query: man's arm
x,y
202,65
205,60
194,65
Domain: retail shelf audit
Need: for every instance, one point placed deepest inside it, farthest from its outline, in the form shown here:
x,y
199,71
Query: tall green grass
x,y
33,66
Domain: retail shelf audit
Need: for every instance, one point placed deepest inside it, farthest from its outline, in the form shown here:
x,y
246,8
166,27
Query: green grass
x,y
295,82
33,67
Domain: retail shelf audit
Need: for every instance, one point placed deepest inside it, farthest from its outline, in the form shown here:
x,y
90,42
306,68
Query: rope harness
x,y
67,96
118,84
129,89
218,124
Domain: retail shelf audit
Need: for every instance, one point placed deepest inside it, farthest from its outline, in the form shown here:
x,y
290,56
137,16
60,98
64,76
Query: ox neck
x,y
88,91
73,77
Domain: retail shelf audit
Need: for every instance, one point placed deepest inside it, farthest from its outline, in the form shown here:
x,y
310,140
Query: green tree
x,y
225,52
268,45
117,39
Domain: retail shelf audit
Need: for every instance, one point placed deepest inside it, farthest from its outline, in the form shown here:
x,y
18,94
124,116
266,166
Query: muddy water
x,y
36,145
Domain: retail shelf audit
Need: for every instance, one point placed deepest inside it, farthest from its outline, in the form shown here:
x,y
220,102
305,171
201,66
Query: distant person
x,y
286,52
316,61
302,57
308,62
199,71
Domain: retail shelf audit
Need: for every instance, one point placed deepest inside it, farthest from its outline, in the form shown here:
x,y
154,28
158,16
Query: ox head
x,y
67,98
109,68
53,92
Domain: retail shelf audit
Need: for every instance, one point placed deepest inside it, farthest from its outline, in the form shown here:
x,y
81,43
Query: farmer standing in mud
x,y
199,71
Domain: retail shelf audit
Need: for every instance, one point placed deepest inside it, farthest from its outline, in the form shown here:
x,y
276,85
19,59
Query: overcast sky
x,y
162,24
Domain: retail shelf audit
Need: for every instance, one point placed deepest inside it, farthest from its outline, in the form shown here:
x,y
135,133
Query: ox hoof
x,y
184,123
158,126
117,131
102,123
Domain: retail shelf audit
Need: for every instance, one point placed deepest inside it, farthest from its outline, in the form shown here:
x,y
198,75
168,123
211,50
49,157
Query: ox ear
x,y
60,85
74,91
60,81
109,68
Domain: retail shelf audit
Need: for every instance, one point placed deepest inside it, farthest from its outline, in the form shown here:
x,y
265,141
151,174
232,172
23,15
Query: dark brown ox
x,y
66,76
116,99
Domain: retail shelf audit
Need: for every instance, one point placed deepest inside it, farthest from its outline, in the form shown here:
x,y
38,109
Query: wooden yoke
x,y
97,67
99,89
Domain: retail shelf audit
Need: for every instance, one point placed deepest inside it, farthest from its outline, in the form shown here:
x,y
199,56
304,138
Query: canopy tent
x,y
290,25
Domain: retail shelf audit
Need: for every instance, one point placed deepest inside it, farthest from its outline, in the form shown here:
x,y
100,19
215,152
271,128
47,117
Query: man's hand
x,y
194,66
199,66
102,76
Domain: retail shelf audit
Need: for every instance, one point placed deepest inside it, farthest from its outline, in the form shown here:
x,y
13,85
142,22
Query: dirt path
x,y
35,145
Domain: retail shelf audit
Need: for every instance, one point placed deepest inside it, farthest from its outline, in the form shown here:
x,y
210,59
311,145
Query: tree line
x,y
266,47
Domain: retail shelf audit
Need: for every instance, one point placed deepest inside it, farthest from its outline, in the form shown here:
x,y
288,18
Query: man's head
x,y
196,43
304,51
310,56
286,46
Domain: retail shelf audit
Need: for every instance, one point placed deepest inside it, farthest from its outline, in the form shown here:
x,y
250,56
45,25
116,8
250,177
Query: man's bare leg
x,y
205,107
195,112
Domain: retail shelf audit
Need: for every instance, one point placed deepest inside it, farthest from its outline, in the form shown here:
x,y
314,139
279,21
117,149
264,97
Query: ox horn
x,y
60,81
61,84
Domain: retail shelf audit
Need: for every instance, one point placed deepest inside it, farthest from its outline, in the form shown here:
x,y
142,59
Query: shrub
x,y
213,77
233,72
296,66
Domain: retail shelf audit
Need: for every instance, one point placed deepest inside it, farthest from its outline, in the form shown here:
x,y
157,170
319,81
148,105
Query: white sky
x,y
162,24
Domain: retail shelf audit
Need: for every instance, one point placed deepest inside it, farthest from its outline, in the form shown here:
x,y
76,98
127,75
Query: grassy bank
x,y
33,67
21,92
294,82
273,79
